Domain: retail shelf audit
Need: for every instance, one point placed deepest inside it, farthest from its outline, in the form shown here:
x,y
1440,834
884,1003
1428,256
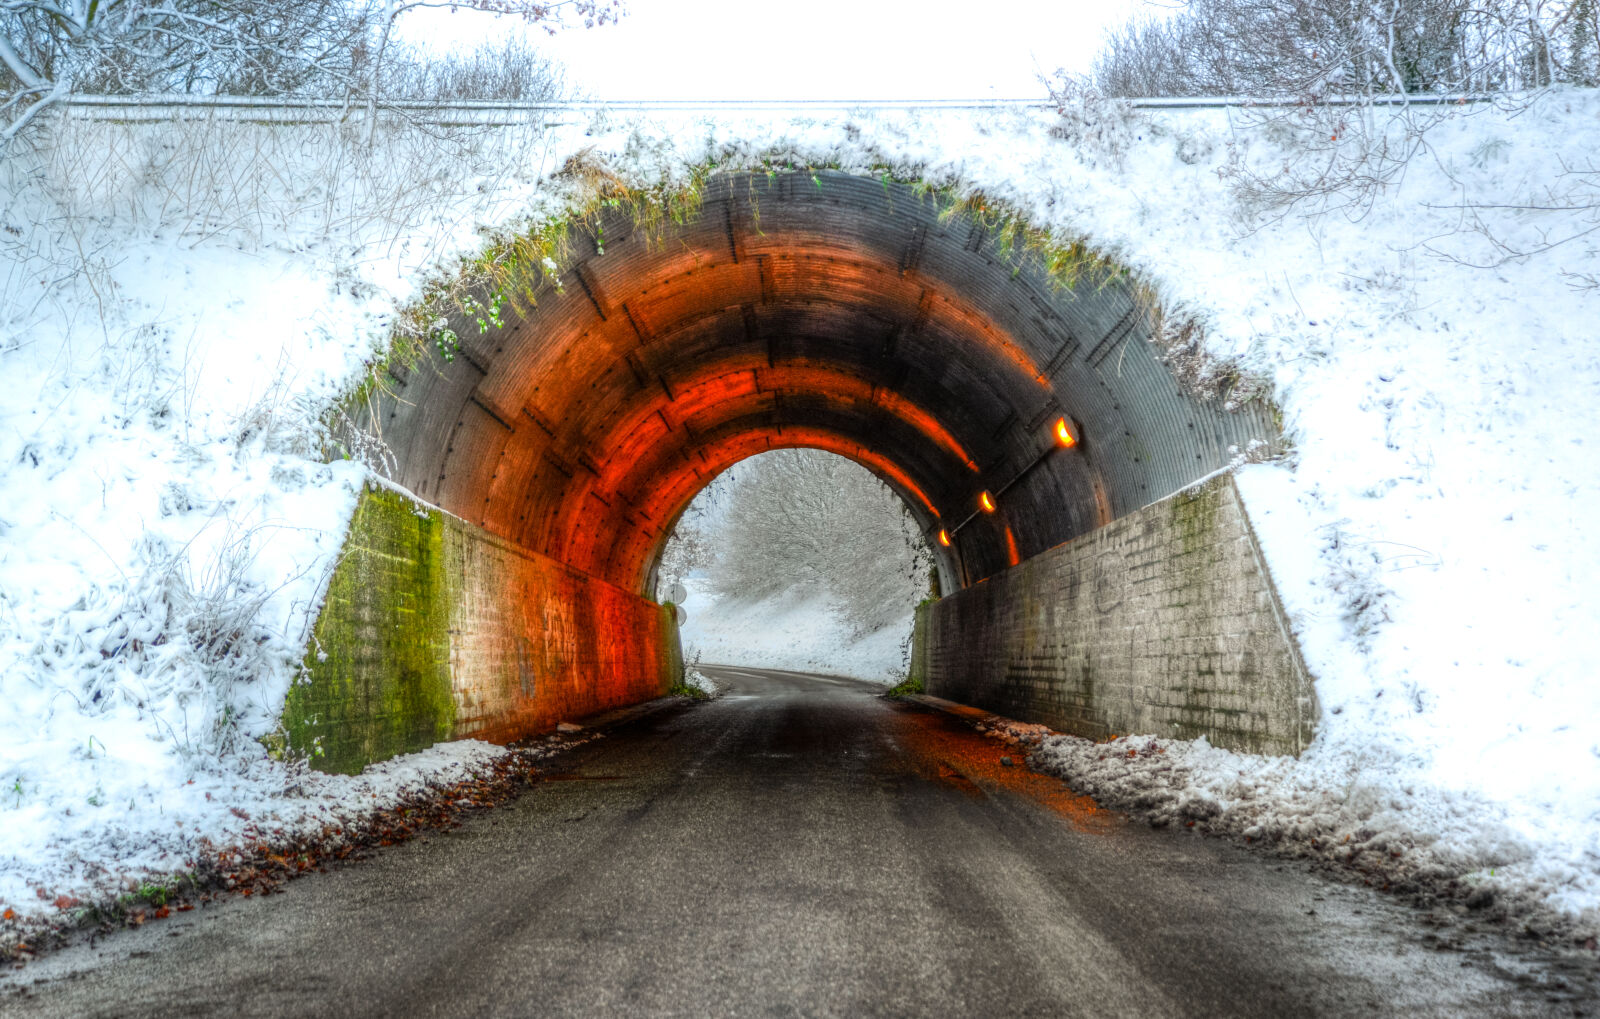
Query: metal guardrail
x,y
478,113
493,113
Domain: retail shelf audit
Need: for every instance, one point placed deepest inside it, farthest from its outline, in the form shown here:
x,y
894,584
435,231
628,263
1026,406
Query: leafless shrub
x,y
1355,578
1181,341
1314,49
1339,79
184,642
1095,124
346,439
1563,211
514,71
52,49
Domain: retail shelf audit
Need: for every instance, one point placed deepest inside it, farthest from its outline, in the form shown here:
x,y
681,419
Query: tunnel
x,y
857,315
830,311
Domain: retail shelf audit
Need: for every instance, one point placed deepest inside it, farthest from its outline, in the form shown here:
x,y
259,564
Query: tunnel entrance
x,y
797,559
849,314
1032,429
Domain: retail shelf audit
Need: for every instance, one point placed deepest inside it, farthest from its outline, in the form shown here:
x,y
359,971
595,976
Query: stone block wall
x,y
1163,621
433,629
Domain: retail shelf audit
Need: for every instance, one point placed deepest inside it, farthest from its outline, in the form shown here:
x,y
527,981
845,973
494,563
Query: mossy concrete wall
x,y
1164,621
433,629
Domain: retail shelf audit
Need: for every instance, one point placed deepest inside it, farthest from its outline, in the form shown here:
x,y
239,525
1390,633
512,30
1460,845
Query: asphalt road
x,y
802,847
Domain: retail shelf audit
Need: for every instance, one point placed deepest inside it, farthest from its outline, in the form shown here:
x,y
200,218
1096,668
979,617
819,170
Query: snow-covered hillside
x,y
182,302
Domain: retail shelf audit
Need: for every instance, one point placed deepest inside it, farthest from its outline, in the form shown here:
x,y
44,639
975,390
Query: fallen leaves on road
x,y
267,857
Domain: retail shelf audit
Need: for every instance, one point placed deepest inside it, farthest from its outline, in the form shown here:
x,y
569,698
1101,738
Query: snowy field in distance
x,y
790,632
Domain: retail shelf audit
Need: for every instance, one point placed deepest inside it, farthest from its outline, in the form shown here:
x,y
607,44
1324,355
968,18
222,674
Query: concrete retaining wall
x,y
434,629
1164,621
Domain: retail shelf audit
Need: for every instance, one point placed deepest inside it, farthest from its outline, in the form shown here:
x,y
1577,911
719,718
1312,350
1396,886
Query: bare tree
x,y
1304,53
52,49
1313,49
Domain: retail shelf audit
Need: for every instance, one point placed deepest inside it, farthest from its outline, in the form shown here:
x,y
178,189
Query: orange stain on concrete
x,y
729,392
622,550
949,750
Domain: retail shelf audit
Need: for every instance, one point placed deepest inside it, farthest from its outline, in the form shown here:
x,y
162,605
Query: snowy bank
x,y
1439,846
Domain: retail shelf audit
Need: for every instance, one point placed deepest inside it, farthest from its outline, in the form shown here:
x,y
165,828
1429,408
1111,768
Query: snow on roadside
x,y
172,339
106,849
693,677
1447,846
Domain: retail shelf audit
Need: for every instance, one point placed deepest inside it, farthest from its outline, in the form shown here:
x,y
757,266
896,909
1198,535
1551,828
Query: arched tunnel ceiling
x,y
841,314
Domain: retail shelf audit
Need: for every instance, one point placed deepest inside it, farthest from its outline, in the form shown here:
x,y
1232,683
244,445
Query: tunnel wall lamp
x,y
1064,435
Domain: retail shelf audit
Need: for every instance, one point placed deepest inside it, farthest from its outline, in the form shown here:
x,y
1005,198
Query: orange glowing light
x,y
1064,434
986,502
1011,548
944,537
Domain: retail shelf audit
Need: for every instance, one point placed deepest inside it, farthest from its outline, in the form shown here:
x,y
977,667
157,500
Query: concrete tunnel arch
x,y
833,311
551,459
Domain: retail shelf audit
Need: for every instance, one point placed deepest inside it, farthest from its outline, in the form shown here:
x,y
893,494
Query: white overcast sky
x,y
819,49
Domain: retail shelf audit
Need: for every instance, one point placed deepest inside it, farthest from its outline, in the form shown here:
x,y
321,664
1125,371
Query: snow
x,y
181,304
143,821
799,630
697,679
176,317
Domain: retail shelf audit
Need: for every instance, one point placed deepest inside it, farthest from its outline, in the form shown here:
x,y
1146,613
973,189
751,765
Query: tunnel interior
x,y
830,311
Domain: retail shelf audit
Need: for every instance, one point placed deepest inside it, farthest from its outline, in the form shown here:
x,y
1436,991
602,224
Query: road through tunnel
x,y
861,316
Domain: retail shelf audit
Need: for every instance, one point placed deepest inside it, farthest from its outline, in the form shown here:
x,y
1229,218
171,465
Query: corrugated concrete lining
x,y
836,312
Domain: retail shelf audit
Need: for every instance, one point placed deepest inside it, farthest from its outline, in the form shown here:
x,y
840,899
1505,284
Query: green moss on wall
x,y
921,629
1194,516
377,672
670,648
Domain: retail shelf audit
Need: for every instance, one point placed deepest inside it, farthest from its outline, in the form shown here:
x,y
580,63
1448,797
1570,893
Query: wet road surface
x,y
801,846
